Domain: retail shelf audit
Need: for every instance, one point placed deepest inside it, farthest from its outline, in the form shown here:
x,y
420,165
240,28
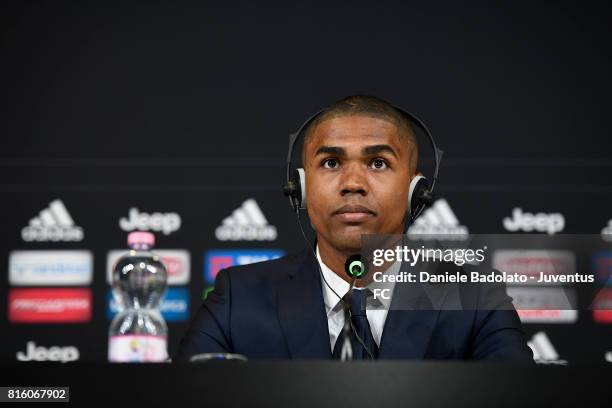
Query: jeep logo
x,y
142,221
540,222
53,353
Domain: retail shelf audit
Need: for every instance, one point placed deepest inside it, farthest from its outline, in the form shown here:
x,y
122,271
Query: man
x,y
359,157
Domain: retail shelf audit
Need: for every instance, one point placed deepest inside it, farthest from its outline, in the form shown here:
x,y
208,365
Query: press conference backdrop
x,y
174,118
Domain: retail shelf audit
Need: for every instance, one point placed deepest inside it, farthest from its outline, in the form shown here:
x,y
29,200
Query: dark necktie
x,y
362,327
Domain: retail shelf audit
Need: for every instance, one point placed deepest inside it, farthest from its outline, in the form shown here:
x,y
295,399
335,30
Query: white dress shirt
x,y
376,309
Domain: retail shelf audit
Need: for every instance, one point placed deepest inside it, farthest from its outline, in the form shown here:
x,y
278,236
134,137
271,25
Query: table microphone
x,y
206,357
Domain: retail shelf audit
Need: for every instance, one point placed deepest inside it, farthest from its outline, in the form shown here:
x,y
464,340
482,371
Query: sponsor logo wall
x,y
58,279
53,286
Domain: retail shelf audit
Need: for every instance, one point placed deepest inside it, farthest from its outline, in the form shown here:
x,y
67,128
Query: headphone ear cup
x,y
417,185
300,181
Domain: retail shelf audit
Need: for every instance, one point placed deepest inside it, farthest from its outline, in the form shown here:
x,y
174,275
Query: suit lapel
x,y
301,311
408,327
410,321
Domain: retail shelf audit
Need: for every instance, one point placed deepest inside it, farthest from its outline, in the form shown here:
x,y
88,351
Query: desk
x,y
318,384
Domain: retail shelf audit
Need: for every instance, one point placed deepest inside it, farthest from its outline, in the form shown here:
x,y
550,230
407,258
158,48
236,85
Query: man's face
x,y
357,177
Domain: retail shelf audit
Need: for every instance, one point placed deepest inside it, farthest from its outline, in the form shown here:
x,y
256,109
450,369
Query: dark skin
x,y
358,169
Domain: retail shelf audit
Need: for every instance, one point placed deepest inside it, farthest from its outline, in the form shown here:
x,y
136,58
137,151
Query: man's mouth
x,y
353,213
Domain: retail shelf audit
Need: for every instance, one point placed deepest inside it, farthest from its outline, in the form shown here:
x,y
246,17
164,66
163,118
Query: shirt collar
x,y
334,284
341,287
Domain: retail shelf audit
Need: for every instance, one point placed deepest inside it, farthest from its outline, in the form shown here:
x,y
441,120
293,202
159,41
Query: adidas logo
x,y
540,222
543,350
438,220
246,223
606,232
54,223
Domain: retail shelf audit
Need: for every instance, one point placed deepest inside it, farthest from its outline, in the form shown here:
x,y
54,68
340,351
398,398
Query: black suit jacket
x,y
275,310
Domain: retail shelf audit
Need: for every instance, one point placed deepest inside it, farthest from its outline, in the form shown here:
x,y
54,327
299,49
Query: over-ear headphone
x,y
420,192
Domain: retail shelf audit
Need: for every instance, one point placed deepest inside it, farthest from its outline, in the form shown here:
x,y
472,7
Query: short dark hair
x,y
364,105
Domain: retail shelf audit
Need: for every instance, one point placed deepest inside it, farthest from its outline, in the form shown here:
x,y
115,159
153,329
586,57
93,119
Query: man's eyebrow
x,y
376,149
336,151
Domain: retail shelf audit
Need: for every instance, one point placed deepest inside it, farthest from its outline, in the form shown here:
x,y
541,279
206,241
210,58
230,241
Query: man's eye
x,y
330,163
379,164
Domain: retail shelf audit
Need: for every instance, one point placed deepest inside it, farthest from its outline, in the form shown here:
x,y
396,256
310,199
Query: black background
x,y
186,107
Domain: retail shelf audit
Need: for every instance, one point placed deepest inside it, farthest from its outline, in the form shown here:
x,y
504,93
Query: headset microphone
x,y
355,266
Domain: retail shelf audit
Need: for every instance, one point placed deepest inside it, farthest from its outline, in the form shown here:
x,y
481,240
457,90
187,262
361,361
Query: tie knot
x,y
362,342
358,301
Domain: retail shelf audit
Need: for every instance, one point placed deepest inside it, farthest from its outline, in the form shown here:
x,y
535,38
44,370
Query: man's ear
x,y
417,184
416,175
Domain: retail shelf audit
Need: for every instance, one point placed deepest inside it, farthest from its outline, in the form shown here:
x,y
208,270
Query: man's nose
x,y
353,181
